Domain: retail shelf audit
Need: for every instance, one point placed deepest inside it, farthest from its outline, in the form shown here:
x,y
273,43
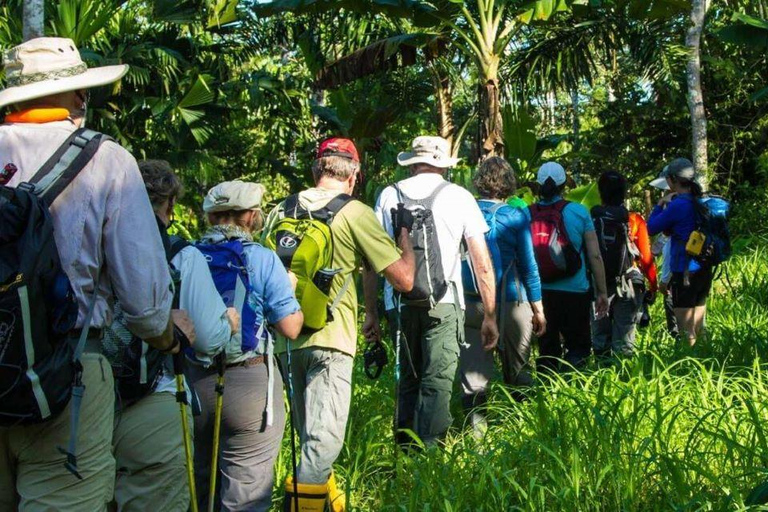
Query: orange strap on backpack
x,y
38,115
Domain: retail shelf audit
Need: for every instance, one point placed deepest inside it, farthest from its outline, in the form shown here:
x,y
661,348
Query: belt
x,y
253,361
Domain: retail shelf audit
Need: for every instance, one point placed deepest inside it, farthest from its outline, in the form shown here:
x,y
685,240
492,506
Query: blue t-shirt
x,y
678,220
578,222
513,226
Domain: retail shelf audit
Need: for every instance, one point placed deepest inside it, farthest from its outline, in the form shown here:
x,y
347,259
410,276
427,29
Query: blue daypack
x,y
712,222
227,263
489,210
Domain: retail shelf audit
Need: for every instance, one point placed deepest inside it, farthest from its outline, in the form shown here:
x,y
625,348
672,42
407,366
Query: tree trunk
x,y
576,130
33,16
695,96
444,100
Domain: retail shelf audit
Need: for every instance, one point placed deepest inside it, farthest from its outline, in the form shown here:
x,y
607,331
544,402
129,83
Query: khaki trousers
x,y
149,450
32,474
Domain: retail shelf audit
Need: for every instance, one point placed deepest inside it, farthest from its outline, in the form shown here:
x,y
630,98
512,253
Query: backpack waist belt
x,y
93,333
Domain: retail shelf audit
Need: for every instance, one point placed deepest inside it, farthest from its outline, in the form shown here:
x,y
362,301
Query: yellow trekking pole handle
x,y
181,397
220,363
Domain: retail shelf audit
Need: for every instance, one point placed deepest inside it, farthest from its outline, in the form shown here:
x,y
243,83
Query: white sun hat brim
x,y
94,77
407,158
660,183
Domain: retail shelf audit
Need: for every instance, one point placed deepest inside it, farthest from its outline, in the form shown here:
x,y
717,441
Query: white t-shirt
x,y
456,216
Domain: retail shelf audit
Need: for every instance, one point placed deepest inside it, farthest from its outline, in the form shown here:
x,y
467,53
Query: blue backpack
x,y
489,210
712,222
227,263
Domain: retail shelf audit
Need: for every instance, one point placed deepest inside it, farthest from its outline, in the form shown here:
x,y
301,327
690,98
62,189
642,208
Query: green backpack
x,y
302,240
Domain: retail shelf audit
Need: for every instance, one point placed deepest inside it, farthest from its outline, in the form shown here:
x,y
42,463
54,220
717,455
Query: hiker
x,y
151,470
626,251
660,248
109,248
322,357
253,415
431,316
676,215
565,243
518,290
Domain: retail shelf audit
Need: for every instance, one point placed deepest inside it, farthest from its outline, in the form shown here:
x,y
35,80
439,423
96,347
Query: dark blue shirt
x,y
678,220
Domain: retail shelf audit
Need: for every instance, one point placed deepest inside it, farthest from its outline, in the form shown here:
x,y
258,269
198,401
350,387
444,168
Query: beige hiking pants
x,y
32,474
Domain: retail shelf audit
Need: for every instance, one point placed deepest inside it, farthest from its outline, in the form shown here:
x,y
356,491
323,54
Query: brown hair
x,y
161,182
336,167
495,178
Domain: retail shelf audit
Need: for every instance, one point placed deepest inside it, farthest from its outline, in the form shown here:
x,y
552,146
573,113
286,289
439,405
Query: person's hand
x,y
489,333
234,320
666,199
539,323
601,306
293,279
372,327
402,218
185,324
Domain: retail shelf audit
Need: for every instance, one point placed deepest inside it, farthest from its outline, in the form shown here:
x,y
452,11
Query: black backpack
x,y
616,247
429,285
137,367
39,371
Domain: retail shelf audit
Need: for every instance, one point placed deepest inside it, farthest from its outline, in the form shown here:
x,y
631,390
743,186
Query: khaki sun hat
x,y
430,150
233,195
50,65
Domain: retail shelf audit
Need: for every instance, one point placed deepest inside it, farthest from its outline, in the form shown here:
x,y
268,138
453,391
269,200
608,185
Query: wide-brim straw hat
x,y
50,65
435,151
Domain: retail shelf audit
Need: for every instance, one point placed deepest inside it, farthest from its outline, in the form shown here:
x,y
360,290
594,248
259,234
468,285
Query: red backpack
x,y
555,254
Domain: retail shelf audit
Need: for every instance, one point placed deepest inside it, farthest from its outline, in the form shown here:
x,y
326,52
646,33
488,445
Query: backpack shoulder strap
x,y
430,199
66,163
335,205
291,206
178,244
561,204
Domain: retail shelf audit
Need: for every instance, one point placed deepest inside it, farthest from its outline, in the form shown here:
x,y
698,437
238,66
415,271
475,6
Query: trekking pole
x,y
181,398
293,429
398,334
220,366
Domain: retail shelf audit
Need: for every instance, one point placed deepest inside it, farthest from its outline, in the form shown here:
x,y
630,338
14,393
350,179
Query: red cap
x,y
336,146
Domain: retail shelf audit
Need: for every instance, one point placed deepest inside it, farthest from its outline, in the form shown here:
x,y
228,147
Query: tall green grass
x,y
671,429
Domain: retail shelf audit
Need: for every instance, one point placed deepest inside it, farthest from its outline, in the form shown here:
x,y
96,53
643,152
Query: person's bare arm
x,y
165,341
290,326
371,324
401,273
486,281
598,272
539,320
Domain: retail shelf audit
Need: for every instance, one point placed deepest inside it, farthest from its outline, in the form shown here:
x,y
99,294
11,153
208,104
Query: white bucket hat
x,y
234,195
434,151
50,65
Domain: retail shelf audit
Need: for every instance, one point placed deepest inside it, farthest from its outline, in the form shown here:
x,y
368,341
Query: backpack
x,y
616,246
712,222
469,280
40,372
136,366
556,256
303,241
429,284
228,265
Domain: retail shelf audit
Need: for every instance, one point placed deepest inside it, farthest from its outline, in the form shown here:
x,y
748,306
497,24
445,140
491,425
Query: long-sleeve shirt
x,y
513,235
104,228
638,232
678,220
